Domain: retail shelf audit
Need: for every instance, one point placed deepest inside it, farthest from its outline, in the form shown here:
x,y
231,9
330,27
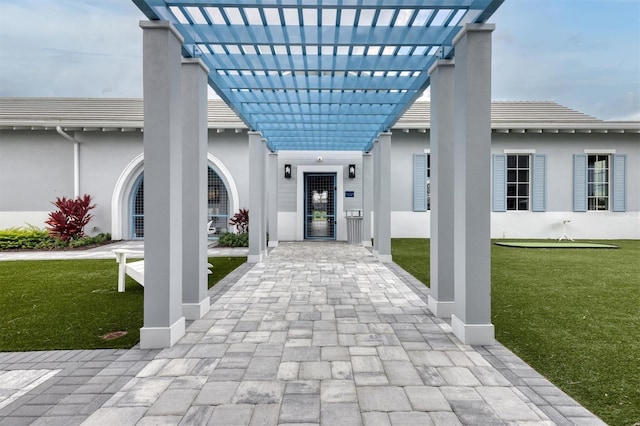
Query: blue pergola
x,y
322,76
319,75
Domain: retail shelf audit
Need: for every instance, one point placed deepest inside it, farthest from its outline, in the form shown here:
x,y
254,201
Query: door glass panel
x,y
320,218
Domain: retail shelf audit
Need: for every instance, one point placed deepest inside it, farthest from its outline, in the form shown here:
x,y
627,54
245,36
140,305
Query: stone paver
x,y
319,333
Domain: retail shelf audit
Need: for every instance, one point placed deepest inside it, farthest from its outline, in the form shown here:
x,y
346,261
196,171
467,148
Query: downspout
x,y
76,160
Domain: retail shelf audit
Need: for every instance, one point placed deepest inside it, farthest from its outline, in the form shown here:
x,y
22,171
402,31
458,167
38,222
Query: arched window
x,y
217,206
137,209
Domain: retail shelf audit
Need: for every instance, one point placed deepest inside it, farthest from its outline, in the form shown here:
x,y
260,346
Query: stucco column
x,y
256,197
163,320
272,204
471,319
195,299
367,197
382,198
441,297
265,212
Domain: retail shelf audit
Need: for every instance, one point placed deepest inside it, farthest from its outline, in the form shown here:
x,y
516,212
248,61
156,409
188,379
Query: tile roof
x,y
127,114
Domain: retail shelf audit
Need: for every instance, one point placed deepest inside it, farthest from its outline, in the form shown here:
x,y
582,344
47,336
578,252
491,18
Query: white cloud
x,y
541,51
82,50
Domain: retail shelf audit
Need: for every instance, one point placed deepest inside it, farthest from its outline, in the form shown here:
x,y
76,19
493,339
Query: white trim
x,y
600,151
195,311
339,171
121,192
124,186
440,309
382,258
427,151
519,151
227,178
162,337
473,334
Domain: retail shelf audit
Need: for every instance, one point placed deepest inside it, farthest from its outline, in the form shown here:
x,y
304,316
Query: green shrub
x,y
33,238
229,239
87,241
28,237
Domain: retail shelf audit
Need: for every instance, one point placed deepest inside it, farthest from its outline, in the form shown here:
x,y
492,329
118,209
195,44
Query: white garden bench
x,y
134,269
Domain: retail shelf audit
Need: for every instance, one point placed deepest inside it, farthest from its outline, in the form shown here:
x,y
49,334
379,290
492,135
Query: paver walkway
x,y
319,333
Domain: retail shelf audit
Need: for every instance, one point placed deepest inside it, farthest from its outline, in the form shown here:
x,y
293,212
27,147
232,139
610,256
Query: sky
x,y
583,54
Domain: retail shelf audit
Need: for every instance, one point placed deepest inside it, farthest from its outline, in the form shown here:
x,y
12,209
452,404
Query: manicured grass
x,y
70,304
572,314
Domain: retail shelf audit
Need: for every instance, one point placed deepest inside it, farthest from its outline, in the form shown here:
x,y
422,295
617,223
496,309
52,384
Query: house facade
x,y
554,171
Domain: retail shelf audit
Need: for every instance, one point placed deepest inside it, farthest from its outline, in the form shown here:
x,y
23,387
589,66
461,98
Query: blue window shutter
x,y
499,183
619,185
539,184
579,183
419,182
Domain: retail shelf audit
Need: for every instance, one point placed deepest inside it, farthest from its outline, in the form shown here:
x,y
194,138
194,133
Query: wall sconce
x,y
287,171
352,171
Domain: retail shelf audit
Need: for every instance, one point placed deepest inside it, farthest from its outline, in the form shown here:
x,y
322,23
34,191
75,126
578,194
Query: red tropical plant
x,y
72,216
241,221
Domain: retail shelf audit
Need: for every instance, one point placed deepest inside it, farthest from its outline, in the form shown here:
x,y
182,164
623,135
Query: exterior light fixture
x,y
352,171
287,171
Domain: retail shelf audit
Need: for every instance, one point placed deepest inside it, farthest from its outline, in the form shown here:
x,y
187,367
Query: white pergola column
x,y
272,204
441,296
382,198
195,299
265,212
367,197
471,319
163,320
257,230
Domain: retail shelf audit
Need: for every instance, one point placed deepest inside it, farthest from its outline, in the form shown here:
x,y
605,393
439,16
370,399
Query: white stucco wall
x,y
290,216
37,166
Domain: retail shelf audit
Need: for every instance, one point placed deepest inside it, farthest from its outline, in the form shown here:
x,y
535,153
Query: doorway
x,y
320,206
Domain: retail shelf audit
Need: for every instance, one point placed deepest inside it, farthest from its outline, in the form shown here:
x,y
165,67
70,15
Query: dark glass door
x,y
320,206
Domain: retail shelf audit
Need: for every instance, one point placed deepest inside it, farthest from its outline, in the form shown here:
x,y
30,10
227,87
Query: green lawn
x,y
572,314
70,304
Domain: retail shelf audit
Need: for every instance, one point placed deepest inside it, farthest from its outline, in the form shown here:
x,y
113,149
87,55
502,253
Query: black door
x,y
320,206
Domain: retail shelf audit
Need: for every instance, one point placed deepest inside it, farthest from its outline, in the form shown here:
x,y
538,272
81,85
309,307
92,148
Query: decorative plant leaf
x,y
72,216
241,221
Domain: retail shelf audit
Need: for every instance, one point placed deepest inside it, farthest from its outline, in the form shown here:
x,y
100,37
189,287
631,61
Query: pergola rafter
x,y
336,72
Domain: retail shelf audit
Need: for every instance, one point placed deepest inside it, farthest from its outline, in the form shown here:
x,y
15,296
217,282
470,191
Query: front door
x,y
320,206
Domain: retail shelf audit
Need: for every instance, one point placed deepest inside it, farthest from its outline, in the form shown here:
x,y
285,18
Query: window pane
x,y
591,190
602,190
138,203
511,190
523,161
511,176
511,161
523,176
138,227
523,190
603,203
511,203
523,204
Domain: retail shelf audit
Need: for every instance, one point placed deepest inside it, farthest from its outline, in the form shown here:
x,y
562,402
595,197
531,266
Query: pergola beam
x,y
340,52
